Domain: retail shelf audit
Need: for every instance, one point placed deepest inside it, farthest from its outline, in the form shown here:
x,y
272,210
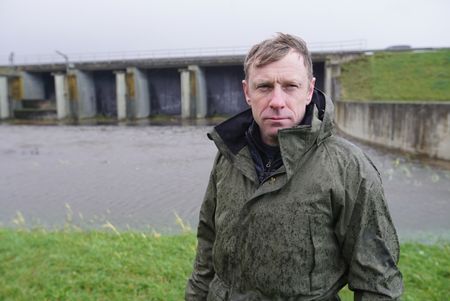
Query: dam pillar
x,y
121,95
198,76
327,80
5,112
332,73
62,99
193,93
84,99
139,93
186,106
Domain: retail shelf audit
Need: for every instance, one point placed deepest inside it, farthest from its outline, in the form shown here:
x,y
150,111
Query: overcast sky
x,y
85,26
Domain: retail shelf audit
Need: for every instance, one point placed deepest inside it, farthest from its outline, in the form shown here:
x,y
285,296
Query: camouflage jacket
x,y
319,222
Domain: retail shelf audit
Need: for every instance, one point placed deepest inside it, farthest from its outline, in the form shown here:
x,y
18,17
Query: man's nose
x,y
277,100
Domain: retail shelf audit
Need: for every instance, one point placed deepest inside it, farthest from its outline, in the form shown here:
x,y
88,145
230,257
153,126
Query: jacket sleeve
x,y
369,242
203,272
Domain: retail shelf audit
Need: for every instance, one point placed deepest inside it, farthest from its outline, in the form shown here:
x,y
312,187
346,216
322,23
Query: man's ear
x,y
245,87
312,83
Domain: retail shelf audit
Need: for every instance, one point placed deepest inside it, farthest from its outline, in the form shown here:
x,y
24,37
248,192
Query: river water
x,y
141,177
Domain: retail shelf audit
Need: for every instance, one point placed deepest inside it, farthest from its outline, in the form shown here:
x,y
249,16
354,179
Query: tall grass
x,y
419,76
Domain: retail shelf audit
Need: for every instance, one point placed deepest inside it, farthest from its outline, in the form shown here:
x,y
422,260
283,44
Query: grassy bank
x,y
75,265
398,76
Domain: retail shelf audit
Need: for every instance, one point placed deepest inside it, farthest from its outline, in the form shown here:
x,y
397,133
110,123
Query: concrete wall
x,y
164,86
49,86
224,90
33,85
419,128
105,93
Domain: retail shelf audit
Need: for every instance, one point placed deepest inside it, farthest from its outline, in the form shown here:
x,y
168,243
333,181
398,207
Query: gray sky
x,y
86,26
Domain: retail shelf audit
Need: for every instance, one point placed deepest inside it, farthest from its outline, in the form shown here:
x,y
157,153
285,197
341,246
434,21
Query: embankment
x,y
416,127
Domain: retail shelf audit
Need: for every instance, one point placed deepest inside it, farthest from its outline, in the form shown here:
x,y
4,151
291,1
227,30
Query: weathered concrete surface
x,y
33,86
193,92
86,103
224,90
199,87
105,93
62,100
141,100
5,111
121,95
141,175
187,108
165,91
418,128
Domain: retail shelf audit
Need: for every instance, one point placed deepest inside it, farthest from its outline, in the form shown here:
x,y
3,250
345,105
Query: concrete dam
x,y
190,87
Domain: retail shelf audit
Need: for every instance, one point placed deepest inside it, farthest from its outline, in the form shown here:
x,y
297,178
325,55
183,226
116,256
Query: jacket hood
x,y
316,126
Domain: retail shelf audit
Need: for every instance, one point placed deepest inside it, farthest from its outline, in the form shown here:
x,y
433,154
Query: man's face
x,y
278,94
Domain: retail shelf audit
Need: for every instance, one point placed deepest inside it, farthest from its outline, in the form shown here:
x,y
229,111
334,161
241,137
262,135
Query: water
x,y
140,177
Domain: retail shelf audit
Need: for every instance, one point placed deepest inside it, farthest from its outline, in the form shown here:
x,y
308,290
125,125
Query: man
x,y
291,211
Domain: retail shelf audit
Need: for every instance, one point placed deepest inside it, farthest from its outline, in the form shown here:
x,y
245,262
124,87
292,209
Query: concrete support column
x,y
201,107
335,84
121,95
62,99
4,98
186,105
332,73
328,78
85,104
141,97
33,86
193,93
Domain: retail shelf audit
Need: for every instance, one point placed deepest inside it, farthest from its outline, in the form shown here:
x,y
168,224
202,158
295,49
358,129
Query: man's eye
x,y
291,87
263,88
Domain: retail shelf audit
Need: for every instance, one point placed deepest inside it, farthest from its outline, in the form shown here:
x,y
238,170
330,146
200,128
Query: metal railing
x,y
333,46
15,59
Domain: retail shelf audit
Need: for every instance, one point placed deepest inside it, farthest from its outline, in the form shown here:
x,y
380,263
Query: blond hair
x,y
272,50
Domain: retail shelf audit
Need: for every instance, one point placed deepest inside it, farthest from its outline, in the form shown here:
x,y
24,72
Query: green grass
x,y
409,76
93,265
426,272
74,265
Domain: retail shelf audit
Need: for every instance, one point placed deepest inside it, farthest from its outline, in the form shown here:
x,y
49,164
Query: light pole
x,y
11,59
62,90
66,58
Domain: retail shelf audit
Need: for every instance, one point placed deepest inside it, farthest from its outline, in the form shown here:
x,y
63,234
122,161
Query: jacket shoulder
x,y
345,155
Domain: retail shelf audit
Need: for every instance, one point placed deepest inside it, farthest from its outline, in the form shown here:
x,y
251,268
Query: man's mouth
x,y
276,118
